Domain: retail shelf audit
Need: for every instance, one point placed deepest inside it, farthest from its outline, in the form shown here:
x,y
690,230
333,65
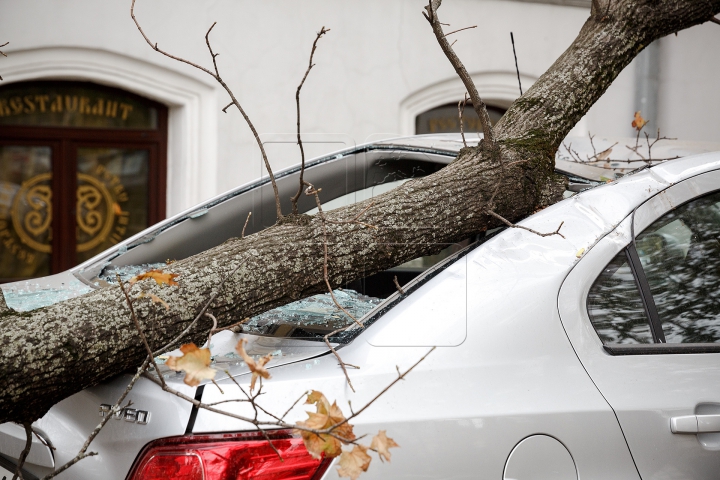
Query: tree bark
x,y
48,354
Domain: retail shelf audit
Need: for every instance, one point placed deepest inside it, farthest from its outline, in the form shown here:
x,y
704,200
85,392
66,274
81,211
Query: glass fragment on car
x,y
313,317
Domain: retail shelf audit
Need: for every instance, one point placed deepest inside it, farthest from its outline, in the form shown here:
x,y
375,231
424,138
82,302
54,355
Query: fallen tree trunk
x,y
51,353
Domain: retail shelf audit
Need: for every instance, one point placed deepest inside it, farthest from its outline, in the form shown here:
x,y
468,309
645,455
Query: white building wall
x,y
379,64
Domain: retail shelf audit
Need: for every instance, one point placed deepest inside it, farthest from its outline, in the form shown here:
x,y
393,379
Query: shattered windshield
x,y
313,317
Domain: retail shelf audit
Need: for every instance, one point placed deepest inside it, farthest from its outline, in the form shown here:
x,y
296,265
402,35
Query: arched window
x,y
444,119
82,167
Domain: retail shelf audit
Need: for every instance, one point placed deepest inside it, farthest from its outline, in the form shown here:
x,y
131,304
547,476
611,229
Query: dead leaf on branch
x,y
381,443
257,367
639,122
604,154
325,417
158,275
354,462
195,362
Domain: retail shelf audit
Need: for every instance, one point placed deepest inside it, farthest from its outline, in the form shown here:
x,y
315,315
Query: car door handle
x,y
695,424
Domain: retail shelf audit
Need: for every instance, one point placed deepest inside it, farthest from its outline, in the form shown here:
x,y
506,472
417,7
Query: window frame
x,y
64,142
660,346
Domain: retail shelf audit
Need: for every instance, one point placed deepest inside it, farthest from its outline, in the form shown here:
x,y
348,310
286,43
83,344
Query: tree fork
x,y
51,353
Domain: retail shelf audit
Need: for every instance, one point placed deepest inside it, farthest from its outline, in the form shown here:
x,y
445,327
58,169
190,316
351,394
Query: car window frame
x,y
642,217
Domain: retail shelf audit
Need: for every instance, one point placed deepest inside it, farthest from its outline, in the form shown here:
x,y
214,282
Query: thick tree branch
x,y
53,352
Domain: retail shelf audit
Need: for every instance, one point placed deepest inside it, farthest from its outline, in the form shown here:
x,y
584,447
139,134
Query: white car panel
x,y
514,376
508,369
646,391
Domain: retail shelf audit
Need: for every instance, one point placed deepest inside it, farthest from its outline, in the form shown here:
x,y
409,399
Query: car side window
x,y
665,286
615,306
680,256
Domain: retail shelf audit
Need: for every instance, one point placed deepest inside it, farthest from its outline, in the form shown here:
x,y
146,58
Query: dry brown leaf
x,y
195,362
257,367
158,275
604,154
353,463
325,417
155,299
381,443
639,122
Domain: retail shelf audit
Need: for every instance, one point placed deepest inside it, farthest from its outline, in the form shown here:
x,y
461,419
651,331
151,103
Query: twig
x,y
517,70
636,148
431,16
216,76
113,410
26,450
342,363
459,30
214,327
712,19
513,225
230,327
293,405
296,197
139,327
401,376
242,235
312,191
397,285
461,109
3,53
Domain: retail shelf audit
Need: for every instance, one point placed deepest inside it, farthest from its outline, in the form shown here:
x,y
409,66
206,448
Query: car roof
x,y
577,156
590,215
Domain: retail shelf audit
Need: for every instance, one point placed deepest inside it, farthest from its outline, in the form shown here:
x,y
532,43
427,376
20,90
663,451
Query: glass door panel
x,y
25,211
112,197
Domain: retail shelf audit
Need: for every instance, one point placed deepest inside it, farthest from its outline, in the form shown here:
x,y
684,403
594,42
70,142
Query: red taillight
x,y
228,457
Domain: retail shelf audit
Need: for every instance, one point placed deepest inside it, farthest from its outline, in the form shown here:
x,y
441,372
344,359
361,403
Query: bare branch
x,y
460,30
213,329
139,328
513,225
478,104
24,453
401,376
397,285
517,69
461,109
293,405
216,76
312,191
3,53
296,197
242,235
712,19
113,410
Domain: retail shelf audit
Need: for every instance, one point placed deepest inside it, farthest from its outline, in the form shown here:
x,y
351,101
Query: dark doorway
x,y
82,167
444,119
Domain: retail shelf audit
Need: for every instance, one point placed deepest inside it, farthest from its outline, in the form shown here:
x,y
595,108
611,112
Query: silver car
x,y
595,354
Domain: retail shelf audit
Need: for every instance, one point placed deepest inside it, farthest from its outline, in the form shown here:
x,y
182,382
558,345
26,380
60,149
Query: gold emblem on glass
x,y
95,215
31,212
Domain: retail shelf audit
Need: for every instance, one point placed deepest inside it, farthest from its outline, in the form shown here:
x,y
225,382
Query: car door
x,y
642,309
